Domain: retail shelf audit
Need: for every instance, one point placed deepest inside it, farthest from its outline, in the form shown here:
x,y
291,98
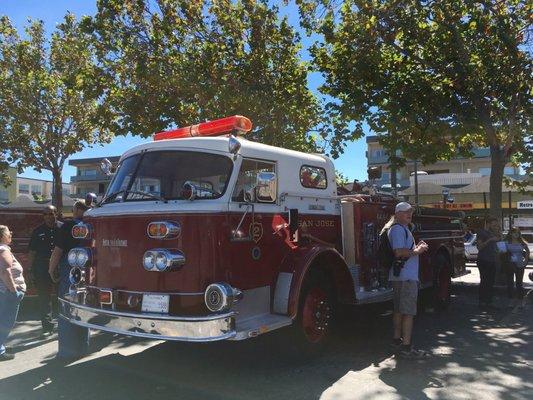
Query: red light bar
x,y
211,128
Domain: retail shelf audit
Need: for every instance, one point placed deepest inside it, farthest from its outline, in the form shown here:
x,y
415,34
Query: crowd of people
x,y
49,246
51,242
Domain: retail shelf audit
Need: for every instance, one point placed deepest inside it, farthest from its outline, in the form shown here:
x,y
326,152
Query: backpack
x,y
385,252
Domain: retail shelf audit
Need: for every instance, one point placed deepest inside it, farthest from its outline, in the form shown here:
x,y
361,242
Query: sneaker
x,y
396,344
412,353
6,356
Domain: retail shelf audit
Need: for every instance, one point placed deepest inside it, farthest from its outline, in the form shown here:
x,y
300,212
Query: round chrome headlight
x,y
78,257
82,257
76,276
72,257
149,259
161,261
221,297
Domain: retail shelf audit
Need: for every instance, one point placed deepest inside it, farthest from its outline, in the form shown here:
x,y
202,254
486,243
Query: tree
x,y
50,92
432,78
177,62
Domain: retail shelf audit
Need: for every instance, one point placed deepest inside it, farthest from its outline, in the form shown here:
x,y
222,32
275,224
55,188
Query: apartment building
x,y
30,188
89,178
456,172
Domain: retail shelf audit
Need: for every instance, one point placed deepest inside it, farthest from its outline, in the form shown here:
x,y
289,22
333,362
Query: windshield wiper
x,y
111,196
147,194
133,192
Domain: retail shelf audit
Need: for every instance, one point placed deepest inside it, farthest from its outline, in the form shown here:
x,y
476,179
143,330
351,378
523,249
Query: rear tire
x,y
442,283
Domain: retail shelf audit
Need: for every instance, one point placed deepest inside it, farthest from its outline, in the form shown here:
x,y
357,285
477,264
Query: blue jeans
x,y
9,308
73,340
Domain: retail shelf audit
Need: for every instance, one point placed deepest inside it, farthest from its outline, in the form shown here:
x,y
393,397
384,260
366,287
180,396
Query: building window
x,y
88,172
24,188
508,171
4,196
36,189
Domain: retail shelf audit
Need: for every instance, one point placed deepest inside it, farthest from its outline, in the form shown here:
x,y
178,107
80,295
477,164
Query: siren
x,y
211,128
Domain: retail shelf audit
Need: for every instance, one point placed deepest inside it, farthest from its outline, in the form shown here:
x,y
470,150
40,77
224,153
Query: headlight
x,y
77,276
163,260
221,297
149,260
78,257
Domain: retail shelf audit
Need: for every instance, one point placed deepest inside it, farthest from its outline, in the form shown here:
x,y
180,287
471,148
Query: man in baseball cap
x,y
404,277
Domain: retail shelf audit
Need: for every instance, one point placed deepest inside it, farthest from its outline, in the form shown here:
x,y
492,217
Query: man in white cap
x,y
404,277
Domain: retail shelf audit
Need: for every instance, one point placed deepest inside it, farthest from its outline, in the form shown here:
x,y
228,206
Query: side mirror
x,y
189,191
234,145
374,173
265,189
105,166
90,199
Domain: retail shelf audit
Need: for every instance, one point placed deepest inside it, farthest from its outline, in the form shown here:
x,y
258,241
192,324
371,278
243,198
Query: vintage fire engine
x,y
204,236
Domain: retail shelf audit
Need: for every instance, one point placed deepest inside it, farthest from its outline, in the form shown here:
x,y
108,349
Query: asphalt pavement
x,y
473,355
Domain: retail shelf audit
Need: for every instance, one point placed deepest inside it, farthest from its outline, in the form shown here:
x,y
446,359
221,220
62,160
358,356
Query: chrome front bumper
x,y
151,326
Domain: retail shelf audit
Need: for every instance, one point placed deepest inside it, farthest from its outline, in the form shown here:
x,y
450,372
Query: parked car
x,y
471,248
528,236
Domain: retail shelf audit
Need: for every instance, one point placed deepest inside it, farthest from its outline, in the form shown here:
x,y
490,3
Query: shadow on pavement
x,y
465,344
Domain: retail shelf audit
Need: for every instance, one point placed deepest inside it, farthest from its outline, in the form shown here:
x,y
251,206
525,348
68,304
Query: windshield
x,y
161,175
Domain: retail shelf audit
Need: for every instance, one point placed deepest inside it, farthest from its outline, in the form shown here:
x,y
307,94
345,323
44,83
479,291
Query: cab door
x,y
257,225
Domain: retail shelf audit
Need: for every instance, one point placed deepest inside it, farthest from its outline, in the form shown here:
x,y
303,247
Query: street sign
x,y
524,205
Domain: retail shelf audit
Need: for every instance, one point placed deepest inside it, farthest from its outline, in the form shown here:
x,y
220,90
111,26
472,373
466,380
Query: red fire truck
x,y
204,236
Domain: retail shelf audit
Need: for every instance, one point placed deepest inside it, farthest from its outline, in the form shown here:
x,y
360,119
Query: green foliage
x,y
432,78
177,62
341,179
50,92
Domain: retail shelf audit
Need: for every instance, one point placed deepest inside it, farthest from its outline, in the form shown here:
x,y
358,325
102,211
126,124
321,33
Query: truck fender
x,y
300,262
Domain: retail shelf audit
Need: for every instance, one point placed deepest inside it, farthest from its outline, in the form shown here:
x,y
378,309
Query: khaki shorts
x,y
405,297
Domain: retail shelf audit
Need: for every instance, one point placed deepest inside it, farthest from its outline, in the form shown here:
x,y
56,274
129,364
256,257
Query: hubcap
x,y
315,315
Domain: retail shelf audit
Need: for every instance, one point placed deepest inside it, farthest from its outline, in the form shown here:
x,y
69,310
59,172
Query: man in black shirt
x,y
41,245
73,340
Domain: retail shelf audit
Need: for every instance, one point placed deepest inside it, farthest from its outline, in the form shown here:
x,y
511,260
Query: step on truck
x,y
203,235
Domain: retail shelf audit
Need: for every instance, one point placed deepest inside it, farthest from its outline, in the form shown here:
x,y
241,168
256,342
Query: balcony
x,y
448,180
89,178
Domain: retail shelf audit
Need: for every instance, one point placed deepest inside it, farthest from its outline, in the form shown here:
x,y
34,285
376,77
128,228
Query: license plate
x,y
155,303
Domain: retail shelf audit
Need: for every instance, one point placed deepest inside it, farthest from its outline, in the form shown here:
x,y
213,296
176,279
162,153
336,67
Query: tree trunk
x,y
498,161
57,190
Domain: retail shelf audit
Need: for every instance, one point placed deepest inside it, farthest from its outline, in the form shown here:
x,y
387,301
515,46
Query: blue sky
x,y
352,163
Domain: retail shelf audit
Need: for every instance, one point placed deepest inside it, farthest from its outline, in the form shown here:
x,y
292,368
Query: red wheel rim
x,y
315,315
444,284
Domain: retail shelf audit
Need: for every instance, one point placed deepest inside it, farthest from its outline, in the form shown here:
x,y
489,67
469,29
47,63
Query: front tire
x,y
317,308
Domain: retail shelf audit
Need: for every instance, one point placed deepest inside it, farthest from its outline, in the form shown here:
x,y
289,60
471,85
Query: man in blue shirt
x,y
405,284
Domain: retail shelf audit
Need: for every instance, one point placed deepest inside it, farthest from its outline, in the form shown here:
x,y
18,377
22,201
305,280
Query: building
x,y
453,173
89,178
463,182
29,188
38,188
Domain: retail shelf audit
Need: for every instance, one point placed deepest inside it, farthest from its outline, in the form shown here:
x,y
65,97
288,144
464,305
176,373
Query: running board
x,y
257,325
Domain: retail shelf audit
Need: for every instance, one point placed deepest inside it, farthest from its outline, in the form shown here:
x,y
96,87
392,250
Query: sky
x,y
352,164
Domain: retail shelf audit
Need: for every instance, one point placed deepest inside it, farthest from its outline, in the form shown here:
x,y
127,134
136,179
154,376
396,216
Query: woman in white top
x,y
516,260
12,289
